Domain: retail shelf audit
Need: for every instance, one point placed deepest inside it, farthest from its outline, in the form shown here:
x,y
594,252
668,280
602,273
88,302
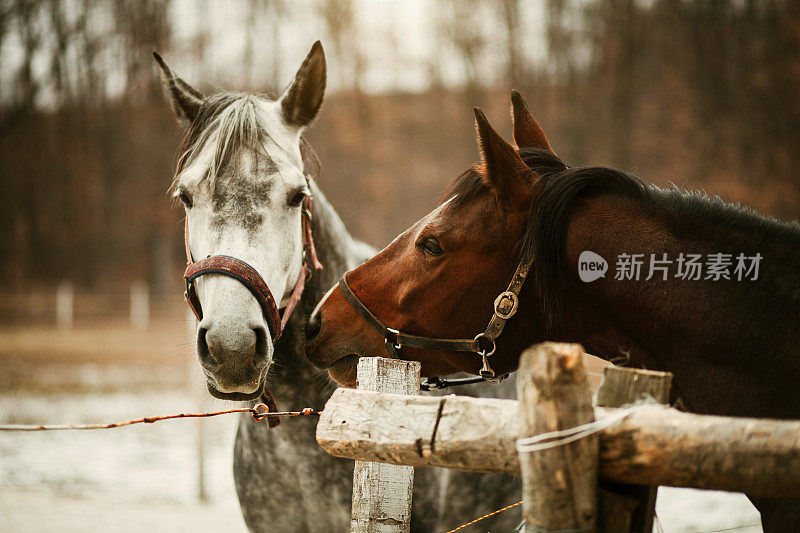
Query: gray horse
x,y
243,173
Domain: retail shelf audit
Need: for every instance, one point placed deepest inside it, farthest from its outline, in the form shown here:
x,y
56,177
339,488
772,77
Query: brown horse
x,y
661,279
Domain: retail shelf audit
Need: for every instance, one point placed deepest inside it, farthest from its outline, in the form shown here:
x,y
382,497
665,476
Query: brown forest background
x,y
700,93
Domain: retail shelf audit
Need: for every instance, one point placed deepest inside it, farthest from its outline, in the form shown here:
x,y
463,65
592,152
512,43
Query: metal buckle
x,y
390,341
198,311
501,299
186,292
433,384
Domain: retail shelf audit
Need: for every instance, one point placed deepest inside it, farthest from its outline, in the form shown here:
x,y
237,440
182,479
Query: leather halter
x,y
505,307
250,278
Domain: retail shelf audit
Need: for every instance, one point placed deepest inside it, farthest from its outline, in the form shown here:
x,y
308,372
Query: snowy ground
x,y
136,478
145,478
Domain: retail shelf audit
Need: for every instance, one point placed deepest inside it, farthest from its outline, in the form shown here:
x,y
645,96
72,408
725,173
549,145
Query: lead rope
x,y
430,384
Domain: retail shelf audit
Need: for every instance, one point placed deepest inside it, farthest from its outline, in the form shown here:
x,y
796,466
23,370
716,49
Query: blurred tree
x,y
701,93
340,24
511,19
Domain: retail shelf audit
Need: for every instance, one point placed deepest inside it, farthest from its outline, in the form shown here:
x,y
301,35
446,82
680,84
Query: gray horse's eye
x,y
296,200
185,199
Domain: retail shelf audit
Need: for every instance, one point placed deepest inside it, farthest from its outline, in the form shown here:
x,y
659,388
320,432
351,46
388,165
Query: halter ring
x,y
259,412
482,352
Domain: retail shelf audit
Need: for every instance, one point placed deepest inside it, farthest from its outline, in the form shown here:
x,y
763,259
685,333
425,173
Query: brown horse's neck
x,y
729,343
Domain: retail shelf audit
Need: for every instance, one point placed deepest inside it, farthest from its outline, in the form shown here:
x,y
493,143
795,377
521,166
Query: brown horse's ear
x,y
185,99
527,132
504,169
300,103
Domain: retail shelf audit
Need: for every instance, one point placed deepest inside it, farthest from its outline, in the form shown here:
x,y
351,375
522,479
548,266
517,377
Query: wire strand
x,y
259,412
553,439
488,515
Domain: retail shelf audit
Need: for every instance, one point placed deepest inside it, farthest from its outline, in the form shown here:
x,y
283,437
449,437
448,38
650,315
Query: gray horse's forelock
x,y
228,124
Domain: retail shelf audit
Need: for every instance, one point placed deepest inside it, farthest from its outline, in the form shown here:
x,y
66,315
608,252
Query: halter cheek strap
x,y
395,339
505,307
309,257
250,278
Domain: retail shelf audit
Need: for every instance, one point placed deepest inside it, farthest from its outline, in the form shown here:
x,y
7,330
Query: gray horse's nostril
x,y
313,327
203,353
260,360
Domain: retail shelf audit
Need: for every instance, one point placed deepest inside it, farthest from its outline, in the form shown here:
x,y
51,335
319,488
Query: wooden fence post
x,y
559,484
623,386
140,305
382,492
64,305
199,394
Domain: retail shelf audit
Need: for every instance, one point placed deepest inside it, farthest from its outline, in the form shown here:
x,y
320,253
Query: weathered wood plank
x,y
654,445
622,386
472,434
614,512
559,485
382,492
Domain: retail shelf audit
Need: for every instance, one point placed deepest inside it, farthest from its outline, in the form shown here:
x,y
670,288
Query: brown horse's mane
x,y
686,214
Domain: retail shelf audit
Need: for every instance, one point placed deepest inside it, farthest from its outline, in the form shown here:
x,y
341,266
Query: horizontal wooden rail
x,y
653,445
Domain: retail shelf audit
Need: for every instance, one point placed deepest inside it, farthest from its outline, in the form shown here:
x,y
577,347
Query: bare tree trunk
x,y
511,17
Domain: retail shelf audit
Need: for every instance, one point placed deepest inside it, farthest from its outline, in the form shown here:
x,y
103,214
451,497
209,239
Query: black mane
x,y
551,211
684,213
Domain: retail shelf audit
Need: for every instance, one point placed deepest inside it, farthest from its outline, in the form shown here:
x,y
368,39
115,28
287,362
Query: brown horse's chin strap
x,y
505,307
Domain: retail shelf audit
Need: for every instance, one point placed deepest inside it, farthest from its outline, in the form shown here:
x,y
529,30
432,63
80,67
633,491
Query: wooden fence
x,y
67,307
584,466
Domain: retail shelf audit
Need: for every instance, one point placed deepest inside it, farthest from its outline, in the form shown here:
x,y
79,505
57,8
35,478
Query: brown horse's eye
x,y
185,199
431,247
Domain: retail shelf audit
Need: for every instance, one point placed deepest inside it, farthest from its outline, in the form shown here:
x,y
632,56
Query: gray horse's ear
x,y
300,103
185,99
503,168
527,131
311,163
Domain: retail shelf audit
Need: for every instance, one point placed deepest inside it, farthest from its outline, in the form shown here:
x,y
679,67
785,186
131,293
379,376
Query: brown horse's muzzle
x,y
336,336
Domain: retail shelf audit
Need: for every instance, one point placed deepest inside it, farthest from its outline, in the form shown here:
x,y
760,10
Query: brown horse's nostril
x,y
313,327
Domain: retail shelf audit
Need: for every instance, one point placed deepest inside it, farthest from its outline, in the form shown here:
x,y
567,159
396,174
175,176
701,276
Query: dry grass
x,y
99,343
97,358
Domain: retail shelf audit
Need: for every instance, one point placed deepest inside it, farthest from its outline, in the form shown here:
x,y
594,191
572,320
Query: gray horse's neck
x,y
292,380
337,249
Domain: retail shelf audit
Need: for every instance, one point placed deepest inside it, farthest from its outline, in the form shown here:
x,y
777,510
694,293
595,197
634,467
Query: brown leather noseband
x,y
483,344
250,278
